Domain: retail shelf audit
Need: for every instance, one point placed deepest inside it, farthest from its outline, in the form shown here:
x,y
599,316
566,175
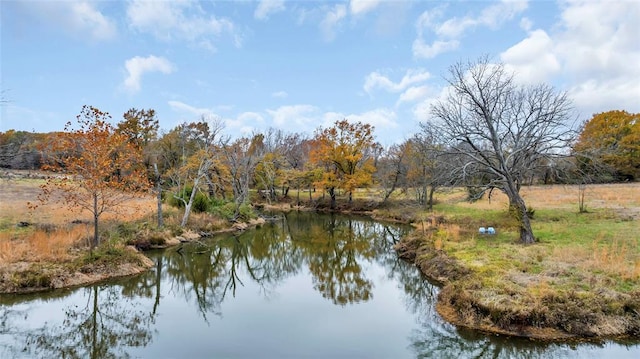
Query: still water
x,y
304,286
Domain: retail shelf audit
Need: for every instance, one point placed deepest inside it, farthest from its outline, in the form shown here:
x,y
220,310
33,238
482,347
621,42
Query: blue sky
x,y
299,65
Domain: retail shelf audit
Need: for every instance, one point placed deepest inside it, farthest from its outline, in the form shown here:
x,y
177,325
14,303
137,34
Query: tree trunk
x,y
432,190
519,210
159,195
94,325
188,205
332,193
96,238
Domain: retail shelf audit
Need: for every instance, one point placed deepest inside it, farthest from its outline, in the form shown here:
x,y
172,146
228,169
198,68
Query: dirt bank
x,y
24,277
546,315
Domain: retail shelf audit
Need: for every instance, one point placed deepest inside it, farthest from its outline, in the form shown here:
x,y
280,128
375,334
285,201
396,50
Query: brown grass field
x,y
54,230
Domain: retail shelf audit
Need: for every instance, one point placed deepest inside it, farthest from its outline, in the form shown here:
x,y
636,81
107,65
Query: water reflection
x,y
344,260
103,327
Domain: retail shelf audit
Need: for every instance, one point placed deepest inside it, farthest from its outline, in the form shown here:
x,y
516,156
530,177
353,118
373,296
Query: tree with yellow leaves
x,y
613,139
344,152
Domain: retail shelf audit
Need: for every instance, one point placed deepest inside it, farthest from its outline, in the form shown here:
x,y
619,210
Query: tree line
x,y
486,133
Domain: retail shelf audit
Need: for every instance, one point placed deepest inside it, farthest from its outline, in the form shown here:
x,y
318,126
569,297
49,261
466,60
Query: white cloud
x,y
194,111
179,20
138,66
492,16
594,47
280,94
244,124
79,18
268,7
377,80
449,32
526,24
359,7
428,19
250,117
532,59
294,116
332,20
380,118
424,51
86,18
413,94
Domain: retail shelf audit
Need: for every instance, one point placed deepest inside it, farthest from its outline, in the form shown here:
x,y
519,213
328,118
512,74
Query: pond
x,y
304,286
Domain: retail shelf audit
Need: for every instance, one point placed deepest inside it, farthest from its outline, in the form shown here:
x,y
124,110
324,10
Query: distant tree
x,y
392,168
140,126
18,150
501,128
270,171
241,157
431,165
344,151
98,168
611,139
295,151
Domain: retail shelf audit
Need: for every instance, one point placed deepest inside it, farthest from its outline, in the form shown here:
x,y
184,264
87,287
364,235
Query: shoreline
x,y
463,302
33,277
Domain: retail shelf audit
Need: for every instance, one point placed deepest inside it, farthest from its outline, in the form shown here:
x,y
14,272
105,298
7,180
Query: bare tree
x,y
431,165
391,169
241,157
502,128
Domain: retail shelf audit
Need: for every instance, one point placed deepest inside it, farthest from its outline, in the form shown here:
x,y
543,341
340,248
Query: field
x,y
581,277
51,231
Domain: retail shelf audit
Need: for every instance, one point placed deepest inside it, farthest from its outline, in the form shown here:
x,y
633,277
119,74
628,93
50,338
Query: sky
x,y
301,65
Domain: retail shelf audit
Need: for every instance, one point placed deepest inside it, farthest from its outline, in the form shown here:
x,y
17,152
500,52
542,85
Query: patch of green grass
x,y
575,252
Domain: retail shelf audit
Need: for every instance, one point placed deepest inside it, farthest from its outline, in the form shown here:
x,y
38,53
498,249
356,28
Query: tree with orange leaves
x,y
98,168
344,152
613,139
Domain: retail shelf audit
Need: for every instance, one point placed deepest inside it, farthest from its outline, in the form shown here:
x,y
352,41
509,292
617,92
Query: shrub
x,y
201,201
227,211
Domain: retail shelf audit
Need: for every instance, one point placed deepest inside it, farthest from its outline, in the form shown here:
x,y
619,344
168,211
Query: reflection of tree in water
x,y
332,248
102,329
207,271
9,317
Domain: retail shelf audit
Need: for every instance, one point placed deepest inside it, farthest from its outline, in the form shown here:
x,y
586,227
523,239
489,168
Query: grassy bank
x,y
581,279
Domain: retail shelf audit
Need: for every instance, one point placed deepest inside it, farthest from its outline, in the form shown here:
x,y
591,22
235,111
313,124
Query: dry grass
x,y
619,196
41,245
51,235
586,250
